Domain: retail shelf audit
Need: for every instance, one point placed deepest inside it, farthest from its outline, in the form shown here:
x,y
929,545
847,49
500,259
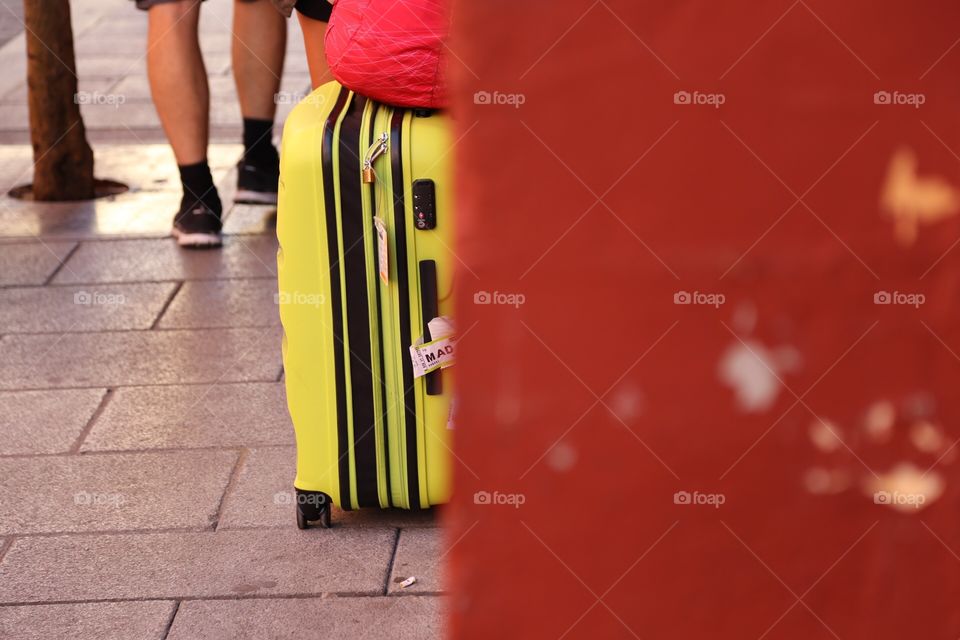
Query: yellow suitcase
x,y
365,272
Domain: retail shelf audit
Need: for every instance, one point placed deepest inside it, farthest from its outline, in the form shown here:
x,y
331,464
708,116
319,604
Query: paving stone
x,y
137,260
113,492
263,496
100,85
82,308
115,114
297,618
16,167
87,621
251,219
45,421
418,555
91,65
14,117
31,263
228,415
128,358
213,303
146,210
136,87
187,565
129,214
152,166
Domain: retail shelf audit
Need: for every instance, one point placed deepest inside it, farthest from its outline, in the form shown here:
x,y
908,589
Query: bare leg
x,y
259,42
313,33
178,79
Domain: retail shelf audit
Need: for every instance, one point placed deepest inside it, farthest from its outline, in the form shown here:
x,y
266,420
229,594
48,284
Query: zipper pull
x,y
376,150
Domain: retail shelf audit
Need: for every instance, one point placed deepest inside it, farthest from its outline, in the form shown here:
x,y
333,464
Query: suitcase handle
x,y
430,309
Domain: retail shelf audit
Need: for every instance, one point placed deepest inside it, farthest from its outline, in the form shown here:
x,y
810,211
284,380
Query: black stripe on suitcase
x,y
333,251
354,227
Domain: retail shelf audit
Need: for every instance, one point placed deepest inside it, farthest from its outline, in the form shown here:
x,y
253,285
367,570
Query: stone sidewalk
x,y
146,454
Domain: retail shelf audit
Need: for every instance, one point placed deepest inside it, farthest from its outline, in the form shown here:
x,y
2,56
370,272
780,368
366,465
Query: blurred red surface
x,y
595,191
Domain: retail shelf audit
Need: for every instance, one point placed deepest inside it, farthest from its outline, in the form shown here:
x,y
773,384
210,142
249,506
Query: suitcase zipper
x,y
378,148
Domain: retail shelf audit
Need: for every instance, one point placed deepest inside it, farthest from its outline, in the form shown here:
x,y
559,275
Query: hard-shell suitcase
x,y
364,223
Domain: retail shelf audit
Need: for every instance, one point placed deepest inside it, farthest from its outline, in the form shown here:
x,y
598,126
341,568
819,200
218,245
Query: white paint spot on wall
x,y
825,435
562,457
878,421
507,409
745,318
905,488
820,481
626,402
912,200
753,372
927,437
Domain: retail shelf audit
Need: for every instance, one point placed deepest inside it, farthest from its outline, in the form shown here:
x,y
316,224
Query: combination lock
x,y
424,204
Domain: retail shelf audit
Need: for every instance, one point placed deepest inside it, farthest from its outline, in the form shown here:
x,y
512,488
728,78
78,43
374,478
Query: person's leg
x,y
178,84
258,47
259,44
313,33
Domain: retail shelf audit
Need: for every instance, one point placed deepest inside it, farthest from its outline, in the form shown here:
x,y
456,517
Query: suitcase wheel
x,y
313,506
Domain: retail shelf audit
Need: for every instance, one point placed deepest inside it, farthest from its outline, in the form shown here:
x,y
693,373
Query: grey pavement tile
x,y
418,555
225,415
147,209
225,113
113,491
128,47
262,496
117,25
94,65
248,563
213,303
87,621
97,84
128,358
141,214
152,166
135,87
114,114
297,618
16,167
14,117
81,307
31,263
162,259
35,422
251,219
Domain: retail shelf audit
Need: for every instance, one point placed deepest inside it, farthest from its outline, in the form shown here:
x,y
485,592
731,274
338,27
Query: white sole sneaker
x,y
197,239
246,196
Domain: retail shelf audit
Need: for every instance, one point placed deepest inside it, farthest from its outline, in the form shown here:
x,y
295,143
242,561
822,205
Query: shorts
x,y
146,4
316,9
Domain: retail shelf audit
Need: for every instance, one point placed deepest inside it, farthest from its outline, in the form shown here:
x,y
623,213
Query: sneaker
x,y
196,225
257,184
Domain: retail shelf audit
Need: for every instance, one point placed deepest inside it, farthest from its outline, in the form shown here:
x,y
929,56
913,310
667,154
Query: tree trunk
x,y
63,160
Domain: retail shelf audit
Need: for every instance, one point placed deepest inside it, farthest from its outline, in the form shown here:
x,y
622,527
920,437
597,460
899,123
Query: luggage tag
x,y
383,256
436,354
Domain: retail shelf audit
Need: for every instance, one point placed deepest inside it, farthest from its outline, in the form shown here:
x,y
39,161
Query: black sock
x,y
198,186
258,146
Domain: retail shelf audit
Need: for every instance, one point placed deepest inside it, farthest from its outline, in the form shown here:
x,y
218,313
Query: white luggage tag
x,y
383,256
436,354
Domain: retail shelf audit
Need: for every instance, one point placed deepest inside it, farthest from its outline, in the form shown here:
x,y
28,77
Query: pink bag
x,y
390,50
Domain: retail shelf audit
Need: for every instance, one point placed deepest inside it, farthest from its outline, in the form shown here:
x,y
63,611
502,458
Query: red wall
x,y
598,398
